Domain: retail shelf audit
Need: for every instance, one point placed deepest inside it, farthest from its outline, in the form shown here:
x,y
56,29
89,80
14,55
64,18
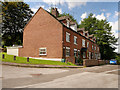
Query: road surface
x,y
105,76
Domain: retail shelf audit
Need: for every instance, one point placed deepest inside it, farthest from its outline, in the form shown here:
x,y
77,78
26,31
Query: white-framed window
x,y
68,23
42,51
75,52
83,42
92,47
67,51
87,44
95,47
79,53
67,37
84,54
75,40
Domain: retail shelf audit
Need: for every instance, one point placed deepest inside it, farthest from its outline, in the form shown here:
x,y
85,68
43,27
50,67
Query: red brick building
x,y
48,36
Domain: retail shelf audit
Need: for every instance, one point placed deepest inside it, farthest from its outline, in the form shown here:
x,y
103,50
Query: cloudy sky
x,y
81,10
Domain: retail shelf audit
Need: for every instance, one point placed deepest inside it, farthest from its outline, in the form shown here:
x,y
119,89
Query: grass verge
x,y
9,58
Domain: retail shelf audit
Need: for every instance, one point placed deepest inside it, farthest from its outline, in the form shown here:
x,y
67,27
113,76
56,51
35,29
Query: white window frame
x,y
67,48
67,34
43,51
68,23
83,43
78,52
75,52
87,44
75,39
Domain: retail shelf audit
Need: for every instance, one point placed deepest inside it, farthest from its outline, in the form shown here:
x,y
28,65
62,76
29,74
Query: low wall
x,y
92,62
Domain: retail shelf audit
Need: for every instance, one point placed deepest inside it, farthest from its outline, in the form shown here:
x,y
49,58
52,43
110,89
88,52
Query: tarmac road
x,y
105,76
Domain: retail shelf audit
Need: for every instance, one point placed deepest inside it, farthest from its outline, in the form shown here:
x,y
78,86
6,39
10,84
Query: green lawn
x,y
9,58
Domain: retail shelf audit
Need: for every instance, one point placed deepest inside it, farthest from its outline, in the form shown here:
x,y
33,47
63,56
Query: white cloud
x,y
116,14
71,3
54,2
114,28
103,10
60,10
100,17
108,15
84,15
115,31
74,4
34,10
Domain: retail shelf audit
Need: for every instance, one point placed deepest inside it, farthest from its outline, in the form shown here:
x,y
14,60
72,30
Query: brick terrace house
x,y
48,36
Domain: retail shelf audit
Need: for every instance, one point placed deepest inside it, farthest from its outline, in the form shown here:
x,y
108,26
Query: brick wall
x,y
94,62
42,31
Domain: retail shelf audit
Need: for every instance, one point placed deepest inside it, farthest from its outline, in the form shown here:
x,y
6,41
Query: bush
x,y
118,59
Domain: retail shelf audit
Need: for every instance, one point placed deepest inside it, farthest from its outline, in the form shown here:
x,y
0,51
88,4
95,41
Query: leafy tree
x,y
102,31
67,14
15,17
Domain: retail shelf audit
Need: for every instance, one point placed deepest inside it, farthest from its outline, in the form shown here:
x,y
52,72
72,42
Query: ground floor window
x,y
84,54
75,52
78,53
67,51
42,51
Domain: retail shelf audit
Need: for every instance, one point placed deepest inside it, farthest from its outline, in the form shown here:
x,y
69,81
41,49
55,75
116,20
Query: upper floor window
x,y
68,23
67,51
74,27
42,51
75,40
67,37
83,42
87,44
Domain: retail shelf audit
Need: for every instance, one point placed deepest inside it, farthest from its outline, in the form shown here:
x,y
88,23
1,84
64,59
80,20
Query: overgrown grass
x,y
9,58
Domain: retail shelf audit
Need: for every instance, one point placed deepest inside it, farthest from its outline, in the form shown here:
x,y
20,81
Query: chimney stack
x,y
55,12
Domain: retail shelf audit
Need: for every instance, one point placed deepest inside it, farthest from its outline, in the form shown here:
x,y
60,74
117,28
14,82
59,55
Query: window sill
x,y
42,54
68,41
75,43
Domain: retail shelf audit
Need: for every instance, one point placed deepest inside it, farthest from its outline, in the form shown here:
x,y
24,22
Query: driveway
x,y
105,76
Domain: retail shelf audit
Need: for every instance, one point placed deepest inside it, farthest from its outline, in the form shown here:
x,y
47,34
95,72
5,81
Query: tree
x,y
67,14
102,31
15,17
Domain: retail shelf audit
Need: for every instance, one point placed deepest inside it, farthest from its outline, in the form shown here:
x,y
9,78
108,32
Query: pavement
x,y
105,76
39,65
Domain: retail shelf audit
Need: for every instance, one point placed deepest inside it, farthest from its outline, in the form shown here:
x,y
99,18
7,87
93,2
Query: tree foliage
x,y
15,17
67,14
102,31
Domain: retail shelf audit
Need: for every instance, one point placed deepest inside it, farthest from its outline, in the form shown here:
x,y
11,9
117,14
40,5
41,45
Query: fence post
x,y
27,59
3,56
14,58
